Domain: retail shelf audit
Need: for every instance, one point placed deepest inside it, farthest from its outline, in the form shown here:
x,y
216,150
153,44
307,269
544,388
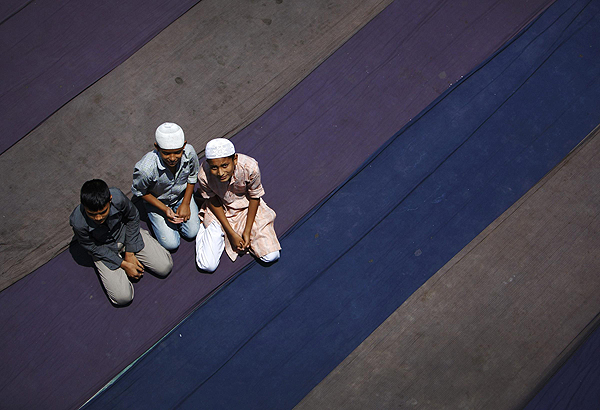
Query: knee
x,y
164,266
165,235
270,257
207,265
191,228
189,235
210,243
121,297
170,243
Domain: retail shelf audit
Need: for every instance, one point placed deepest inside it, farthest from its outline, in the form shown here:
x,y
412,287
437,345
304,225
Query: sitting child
x,y
107,226
165,180
236,218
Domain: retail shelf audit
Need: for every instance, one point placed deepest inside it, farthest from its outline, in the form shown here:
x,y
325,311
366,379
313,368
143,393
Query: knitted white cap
x,y
169,136
219,148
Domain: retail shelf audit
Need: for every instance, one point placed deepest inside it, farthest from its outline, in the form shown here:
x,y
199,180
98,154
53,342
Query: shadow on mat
x,y
80,255
139,204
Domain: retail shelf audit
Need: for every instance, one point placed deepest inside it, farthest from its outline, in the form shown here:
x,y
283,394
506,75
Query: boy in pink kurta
x,y
236,219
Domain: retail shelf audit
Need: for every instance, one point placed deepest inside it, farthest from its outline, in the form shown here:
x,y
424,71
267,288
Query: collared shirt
x,y
244,183
151,176
122,226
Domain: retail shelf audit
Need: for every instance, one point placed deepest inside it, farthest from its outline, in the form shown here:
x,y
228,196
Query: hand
x,y
246,239
236,241
184,211
132,266
172,216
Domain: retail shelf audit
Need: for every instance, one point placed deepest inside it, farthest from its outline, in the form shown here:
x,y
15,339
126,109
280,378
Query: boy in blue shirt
x,y
165,178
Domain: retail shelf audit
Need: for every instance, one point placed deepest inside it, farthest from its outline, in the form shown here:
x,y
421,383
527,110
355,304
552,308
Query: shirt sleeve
x,y
131,219
100,252
142,180
205,190
194,166
254,185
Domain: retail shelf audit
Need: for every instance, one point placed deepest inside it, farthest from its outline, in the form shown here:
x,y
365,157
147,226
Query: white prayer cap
x,y
219,148
169,136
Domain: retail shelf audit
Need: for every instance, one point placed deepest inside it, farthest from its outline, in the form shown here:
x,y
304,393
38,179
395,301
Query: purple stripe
x,y
52,50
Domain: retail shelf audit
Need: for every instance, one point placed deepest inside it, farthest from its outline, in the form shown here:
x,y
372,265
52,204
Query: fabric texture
x,y
169,135
576,385
219,148
53,50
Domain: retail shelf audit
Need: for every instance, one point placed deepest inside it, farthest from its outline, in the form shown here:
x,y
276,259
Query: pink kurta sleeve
x,y
205,190
254,186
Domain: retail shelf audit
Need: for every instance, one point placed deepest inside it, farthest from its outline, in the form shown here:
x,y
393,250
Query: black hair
x,y
95,194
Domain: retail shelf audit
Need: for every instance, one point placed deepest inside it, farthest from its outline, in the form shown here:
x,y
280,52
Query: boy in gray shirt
x,y
107,225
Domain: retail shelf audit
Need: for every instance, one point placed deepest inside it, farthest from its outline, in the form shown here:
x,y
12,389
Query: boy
x,y
236,218
165,178
107,225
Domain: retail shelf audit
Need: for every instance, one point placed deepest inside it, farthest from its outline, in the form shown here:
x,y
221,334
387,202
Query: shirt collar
x,y
159,162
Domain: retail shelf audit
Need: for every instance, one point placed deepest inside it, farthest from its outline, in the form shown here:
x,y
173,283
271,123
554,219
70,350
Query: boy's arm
x,y
184,209
252,208
143,178
169,213
254,191
111,259
236,241
133,239
132,266
99,252
130,217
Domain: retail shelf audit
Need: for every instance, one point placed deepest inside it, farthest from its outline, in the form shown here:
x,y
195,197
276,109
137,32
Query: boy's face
x,y
170,157
222,168
99,216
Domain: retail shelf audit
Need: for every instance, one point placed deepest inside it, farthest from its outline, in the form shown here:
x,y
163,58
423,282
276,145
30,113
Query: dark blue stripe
x,y
576,385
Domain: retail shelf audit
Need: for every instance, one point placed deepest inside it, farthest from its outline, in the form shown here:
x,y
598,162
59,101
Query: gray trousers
x,y
116,282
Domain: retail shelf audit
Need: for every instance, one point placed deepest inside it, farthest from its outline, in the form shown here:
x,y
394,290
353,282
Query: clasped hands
x,y
239,243
132,266
182,215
